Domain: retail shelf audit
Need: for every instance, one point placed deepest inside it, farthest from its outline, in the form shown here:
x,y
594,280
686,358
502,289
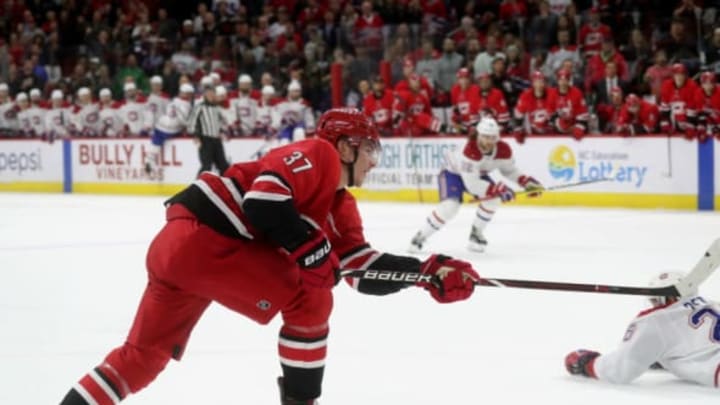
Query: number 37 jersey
x,y
683,337
305,172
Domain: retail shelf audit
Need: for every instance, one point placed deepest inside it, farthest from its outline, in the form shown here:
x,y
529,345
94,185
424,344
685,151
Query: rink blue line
x,y
706,176
67,166
69,246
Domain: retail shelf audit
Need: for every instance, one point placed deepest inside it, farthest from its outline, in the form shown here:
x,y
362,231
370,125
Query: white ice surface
x,y
72,271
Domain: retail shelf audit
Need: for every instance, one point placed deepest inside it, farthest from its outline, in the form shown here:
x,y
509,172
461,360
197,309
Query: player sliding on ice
x,y
266,237
468,171
681,335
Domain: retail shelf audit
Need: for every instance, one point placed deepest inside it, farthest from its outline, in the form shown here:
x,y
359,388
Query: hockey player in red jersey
x,y
378,105
490,101
412,114
677,106
404,84
534,110
463,97
707,105
636,117
267,237
571,113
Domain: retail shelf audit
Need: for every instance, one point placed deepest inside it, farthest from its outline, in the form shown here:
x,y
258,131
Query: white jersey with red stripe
x,y
86,119
267,120
683,337
112,123
175,118
295,112
135,116
57,121
473,166
157,104
244,111
32,121
8,115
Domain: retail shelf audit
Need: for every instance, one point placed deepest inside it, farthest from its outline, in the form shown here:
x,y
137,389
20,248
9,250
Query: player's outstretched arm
x,y
453,280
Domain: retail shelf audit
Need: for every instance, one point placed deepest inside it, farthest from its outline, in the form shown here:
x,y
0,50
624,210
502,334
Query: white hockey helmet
x,y
83,91
4,87
665,279
294,85
220,91
268,90
35,94
129,86
245,78
22,96
187,88
156,80
488,127
105,92
56,94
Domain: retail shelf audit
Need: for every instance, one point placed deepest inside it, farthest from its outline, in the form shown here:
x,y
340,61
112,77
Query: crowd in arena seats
x,y
111,67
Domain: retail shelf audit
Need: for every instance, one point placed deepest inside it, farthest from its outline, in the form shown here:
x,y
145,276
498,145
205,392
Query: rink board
x,y
28,165
652,172
642,172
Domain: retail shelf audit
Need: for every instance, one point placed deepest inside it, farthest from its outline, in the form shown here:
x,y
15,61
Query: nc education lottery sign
x,y
31,161
632,165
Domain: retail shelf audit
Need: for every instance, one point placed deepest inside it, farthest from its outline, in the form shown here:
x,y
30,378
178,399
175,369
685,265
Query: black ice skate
x,y
416,243
284,400
477,241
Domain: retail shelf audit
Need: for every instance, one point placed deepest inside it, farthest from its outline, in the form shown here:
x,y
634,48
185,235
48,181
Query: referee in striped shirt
x,y
204,123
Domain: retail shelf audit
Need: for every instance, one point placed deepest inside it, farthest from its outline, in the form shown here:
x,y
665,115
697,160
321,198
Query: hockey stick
x,y
551,188
702,270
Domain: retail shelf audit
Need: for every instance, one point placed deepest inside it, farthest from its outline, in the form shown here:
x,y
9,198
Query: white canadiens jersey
x,y
292,113
243,113
135,116
57,121
8,115
112,124
473,166
267,120
683,337
86,120
175,118
157,103
32,121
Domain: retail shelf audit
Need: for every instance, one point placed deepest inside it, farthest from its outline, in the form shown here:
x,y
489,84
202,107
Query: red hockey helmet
x,y
707,77
348,123
632,100
679,68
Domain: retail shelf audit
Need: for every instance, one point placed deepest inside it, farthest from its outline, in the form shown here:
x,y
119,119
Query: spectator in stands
x,y
518,63
427,62
602,89
637,54
447,66
593,34
355,96
596,67
131,69
359,66
368,31
502,81
513,14
542,28
679,44
464,32
472,50
690,13
712,53
559,53
27,77
483,62
657,73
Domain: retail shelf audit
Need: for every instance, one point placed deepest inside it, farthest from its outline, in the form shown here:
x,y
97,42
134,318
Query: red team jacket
x,y
492,101
643,122
537,110
678,102
380,110
708,111
570,108
465,108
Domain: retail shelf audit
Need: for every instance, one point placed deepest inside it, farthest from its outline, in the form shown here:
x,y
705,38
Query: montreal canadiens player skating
x,y
267,237
468,171
679,334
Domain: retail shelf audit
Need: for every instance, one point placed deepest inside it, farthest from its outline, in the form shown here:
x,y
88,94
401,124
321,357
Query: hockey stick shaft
x,y
411,277
699,273
551,188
